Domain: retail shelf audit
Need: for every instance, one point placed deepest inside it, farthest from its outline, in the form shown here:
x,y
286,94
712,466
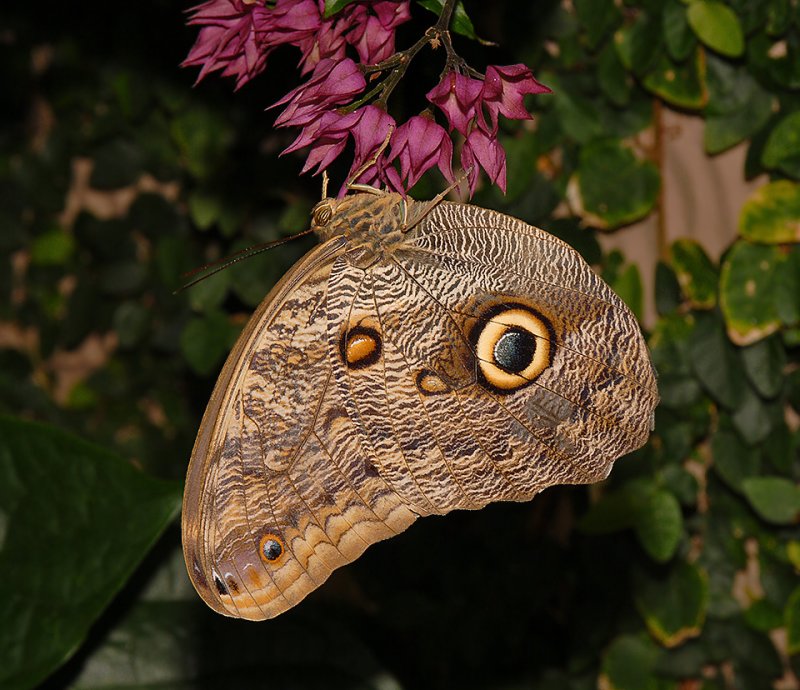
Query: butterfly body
x,y
423,358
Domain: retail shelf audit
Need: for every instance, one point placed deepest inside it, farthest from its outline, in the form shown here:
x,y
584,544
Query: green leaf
x,y
677,33
791,617
668,291
131,320
775,499
53,248
205,341
640,44
204,209
734,460
696,274
682,84
577,115
659,526
210,292
775,62
202,136
748,284
180,644
764,363
738,106
618,510
629,663
334,6
782,151
673,608
763,615
117,163
612,76
628,285
755,418
717,25
772,214
77,520
597,17
460,23
615,187
716,363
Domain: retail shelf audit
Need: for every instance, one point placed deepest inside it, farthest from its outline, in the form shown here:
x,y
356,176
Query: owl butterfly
x,y
425,357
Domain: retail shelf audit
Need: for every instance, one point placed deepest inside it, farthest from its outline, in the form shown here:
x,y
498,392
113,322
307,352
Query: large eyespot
x,y
270,548
322,213
514,344
360,346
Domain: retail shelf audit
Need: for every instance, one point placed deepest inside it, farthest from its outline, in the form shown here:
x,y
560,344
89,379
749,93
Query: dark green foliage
x,y
676,573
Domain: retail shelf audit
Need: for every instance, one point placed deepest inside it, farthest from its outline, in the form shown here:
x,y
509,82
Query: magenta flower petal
x,y
373,35
391,13
332,83
457,97
331,39
481,148
228,41
289,21
374,42
419,145
327,137
504,89
369,133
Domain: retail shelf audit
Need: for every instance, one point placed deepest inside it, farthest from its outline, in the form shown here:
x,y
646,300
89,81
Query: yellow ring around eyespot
x,y
494,329
263,542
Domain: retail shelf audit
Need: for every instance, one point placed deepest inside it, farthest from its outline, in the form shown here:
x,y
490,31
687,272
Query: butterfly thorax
x,y
373,225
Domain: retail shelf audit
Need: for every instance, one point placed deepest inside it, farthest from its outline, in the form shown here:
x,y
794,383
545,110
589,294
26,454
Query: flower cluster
x,y
330,107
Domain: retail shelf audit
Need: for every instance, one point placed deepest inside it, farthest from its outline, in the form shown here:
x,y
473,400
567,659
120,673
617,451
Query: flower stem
x,y
399,62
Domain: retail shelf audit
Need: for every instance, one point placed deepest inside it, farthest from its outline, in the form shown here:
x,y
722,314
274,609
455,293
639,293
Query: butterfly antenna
x,y
324,185
215,267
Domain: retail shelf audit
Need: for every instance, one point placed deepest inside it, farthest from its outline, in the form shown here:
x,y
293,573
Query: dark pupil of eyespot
x,y
272,549
514,350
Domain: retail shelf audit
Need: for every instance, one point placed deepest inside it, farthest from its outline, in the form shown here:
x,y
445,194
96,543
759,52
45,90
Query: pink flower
x,y
228,41
289,21
419,144
457,97
504,89
328,42
373,36
369,133
327,137
332,83
482,148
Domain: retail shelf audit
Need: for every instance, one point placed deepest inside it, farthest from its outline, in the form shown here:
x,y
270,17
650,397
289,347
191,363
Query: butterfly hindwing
x,y
424,358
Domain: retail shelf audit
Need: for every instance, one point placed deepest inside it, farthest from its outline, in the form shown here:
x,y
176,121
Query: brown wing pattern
x,y
473,359
280,489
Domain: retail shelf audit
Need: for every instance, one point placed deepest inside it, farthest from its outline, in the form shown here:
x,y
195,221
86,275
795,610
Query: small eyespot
x,y
514,345
322,213
270,548
233,588
221,588
360,346
429,383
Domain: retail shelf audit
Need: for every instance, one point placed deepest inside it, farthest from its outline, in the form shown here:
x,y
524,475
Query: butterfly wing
x,y
507,364
279,490
470,360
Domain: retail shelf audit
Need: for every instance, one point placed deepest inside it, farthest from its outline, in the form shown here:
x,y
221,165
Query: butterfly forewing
x,y
422,359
